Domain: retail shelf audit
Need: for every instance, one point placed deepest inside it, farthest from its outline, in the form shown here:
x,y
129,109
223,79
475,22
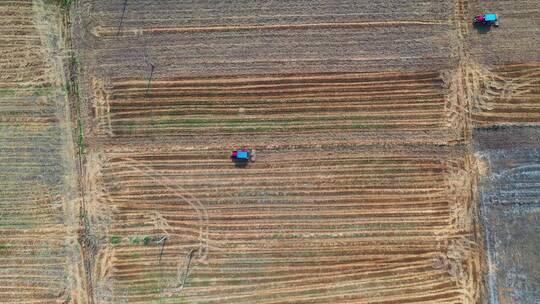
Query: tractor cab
x,y
486,19
243,156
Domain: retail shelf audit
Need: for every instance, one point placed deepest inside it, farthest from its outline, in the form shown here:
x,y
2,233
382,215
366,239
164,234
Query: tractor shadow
x,y
482,29
240,163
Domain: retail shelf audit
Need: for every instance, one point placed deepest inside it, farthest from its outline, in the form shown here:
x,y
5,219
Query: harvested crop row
x,y
113,31
297,226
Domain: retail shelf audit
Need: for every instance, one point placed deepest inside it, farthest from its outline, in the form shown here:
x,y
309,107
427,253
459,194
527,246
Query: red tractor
x,y
486,19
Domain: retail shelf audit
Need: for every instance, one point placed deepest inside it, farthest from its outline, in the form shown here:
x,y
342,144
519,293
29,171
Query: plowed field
x,y
265,105
246,37
299,226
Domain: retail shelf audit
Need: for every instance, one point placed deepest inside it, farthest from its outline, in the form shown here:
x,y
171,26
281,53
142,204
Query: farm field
x,y
510,208
506,95
327,214
516,39
203,39
365,185
38,210
396,152
500,65
502,72
300,226
260,107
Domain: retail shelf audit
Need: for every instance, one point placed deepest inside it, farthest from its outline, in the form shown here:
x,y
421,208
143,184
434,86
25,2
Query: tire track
x,y
103,31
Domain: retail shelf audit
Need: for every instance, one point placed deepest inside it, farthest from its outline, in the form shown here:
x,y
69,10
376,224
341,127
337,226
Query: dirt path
x,y
48,18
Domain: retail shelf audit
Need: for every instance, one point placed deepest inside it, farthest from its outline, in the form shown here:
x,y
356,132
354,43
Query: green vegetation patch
x,y
80,137
43,90
7,92
64,3
4,248
174,300
115,240
137,240
147,240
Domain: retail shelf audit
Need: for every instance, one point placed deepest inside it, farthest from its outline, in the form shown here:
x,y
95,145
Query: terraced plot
x,y
306,227
36,202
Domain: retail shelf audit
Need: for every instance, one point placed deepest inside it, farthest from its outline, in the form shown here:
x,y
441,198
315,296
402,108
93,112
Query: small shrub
x,y
65,3
115,240
147,240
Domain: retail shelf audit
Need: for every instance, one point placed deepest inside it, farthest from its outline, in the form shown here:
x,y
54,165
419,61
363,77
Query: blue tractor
x,y
486,19
243,155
